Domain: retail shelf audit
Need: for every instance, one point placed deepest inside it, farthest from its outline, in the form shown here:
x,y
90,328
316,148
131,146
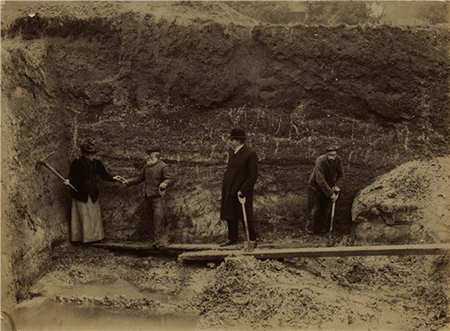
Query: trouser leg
x,y
318,205
326,217
321,214
149,226
158,215
232,230
316,218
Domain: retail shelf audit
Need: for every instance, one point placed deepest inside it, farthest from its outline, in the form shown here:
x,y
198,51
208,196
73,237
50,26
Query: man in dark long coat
x,y
239,178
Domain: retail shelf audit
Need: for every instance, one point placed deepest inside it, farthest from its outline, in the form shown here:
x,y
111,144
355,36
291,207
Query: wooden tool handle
x,y
244,213
49,167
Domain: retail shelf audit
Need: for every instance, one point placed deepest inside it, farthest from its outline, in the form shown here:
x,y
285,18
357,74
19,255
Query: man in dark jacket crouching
x,y
323,189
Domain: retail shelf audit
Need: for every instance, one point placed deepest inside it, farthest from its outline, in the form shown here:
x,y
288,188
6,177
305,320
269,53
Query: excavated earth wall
x,y
129,78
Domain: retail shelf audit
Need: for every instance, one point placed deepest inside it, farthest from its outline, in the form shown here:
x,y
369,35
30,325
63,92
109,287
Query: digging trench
x,y
129,75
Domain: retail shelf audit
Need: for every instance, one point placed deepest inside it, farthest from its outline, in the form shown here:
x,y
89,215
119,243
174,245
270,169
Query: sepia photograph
x,y
225,165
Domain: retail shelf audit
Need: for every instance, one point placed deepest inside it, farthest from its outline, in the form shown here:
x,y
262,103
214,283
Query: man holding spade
x,y
237,188
323,190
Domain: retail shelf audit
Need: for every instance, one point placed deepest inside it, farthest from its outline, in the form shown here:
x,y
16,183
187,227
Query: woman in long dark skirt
x,y
86,220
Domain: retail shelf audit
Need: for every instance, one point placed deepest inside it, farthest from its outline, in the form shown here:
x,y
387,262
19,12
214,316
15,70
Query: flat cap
x,y
332,148
153,148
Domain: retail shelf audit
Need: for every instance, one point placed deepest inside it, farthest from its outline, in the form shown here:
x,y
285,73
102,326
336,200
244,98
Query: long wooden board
x,y
148,247
180,248
215,255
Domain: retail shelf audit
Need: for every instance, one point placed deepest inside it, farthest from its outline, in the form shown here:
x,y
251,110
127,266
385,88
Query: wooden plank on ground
x,y
204,247
214,255
148,247
125,245
180,248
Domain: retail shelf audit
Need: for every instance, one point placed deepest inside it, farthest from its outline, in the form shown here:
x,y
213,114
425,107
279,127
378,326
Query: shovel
x,y
333,208
248,245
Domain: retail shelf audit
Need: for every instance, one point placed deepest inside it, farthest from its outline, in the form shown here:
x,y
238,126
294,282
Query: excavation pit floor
x,y
46,314
96,289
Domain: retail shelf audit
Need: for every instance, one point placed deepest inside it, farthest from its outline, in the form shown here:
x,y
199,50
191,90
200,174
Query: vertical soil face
x,y
379,92
130,76
34,204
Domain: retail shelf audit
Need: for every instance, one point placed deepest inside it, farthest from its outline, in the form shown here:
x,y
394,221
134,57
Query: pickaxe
x,y
49,167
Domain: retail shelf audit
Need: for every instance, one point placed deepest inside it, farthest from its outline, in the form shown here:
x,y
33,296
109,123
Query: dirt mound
x,y
342,294
358,293
410,204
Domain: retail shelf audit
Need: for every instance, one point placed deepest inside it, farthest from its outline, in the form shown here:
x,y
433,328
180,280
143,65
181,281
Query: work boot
x,y
163,241
250,246
308,229
229,242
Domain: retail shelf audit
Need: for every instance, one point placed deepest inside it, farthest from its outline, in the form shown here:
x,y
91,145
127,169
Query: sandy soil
x,y
409,204
367,293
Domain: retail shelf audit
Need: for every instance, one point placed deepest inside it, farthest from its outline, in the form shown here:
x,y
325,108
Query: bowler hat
x,y
153,148
332,148
237,133
88,147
